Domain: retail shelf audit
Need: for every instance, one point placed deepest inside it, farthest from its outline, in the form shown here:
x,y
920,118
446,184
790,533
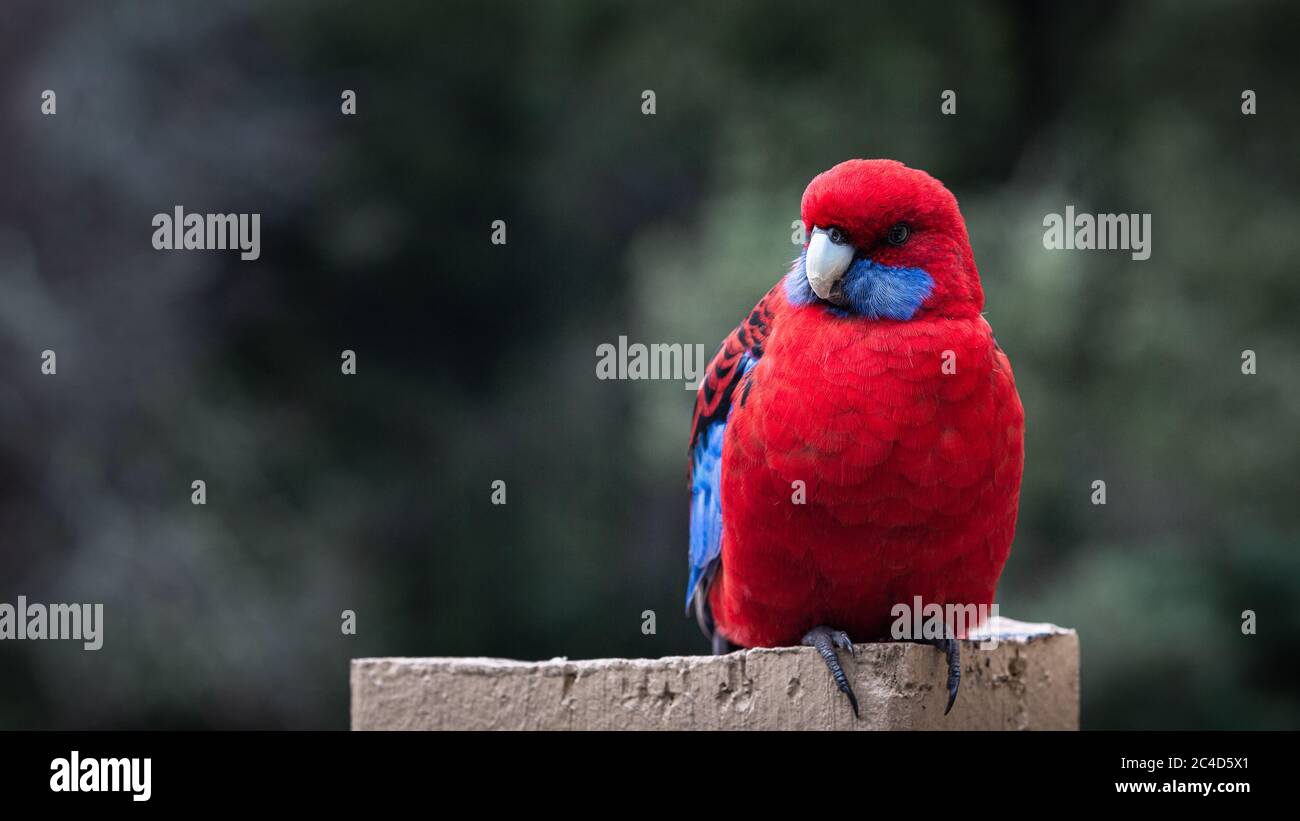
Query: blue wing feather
x,y
706,506
706,494
714,402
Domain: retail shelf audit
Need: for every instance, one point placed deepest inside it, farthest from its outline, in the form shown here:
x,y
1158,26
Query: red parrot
x,y
867,378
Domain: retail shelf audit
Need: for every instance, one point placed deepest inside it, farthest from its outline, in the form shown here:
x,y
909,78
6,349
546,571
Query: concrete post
x,y
1028,679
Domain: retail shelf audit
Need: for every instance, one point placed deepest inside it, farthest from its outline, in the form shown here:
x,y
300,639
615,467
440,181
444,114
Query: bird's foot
x,y
951,649
825,640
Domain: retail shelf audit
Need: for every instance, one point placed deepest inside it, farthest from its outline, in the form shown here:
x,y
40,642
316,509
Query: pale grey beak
x,y
826,262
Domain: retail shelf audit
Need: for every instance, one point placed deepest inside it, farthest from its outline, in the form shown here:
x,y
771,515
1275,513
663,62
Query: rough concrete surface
x,y
1026,680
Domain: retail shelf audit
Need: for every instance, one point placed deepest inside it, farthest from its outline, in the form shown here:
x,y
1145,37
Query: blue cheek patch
x,y
872,290
881,292
797,289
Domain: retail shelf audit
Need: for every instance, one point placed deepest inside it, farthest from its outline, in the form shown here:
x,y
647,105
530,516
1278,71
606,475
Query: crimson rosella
x,y
858,440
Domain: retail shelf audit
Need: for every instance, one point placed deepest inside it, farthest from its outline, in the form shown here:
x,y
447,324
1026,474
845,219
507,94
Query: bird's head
x,y
884,242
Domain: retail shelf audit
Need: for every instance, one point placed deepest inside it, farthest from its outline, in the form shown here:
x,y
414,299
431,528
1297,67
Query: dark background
x,y
477,362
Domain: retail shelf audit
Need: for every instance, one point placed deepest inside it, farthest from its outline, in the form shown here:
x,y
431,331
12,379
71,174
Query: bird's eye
x,y
899,234
837,236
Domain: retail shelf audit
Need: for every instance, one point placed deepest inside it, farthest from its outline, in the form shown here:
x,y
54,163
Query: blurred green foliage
x,y
477,362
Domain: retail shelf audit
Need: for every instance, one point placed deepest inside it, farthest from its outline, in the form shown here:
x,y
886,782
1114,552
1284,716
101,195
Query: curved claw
x,y
952,649
824,640
842,641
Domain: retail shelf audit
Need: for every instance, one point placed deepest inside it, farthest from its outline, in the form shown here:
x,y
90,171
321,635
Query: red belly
x,y
910,477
